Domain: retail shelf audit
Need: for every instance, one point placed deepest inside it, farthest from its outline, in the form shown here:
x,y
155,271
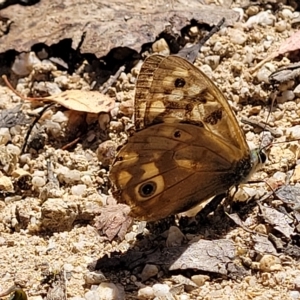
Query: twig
x,y
261,125
190,53
111,80
33,124
65,147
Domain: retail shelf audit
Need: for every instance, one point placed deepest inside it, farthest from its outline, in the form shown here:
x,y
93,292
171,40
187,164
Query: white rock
x,y
160,290
5,136
68,267
87,180
293,132
269,263
237,36
200,279
78,189
297,282
38,181
206,69
286,96
281,26
294,295
146,293
91,295
110,291
212,60
24,63
297,90
6,184
149,271
69,176
59,117
12,149
95,277
264,72
280,176
287,13
262,18
184,297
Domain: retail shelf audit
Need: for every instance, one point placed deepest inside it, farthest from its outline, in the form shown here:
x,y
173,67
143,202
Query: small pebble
x,y
87,180
287,13
237,36
160,290
295,295
116,126
264,72
161,47
293,132
286,96
6,184
149,271
262,18
127,108
269,263
24,63
78,190
280,26
252,10
110,291
59,117
212,60
146,293
106,152
200,279
175,237
95,277
103,120
297,90
92,295
5,136
38,181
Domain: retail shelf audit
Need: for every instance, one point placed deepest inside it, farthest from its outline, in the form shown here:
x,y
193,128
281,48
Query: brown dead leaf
x,y
114,220
79,100
290,44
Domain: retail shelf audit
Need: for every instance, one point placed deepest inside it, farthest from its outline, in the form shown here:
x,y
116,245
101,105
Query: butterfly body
x,y
188,146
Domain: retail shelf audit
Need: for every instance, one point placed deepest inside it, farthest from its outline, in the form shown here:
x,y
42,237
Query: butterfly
x,y
188,146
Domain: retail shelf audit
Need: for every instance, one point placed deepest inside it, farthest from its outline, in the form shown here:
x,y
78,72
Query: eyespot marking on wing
x,y
179,82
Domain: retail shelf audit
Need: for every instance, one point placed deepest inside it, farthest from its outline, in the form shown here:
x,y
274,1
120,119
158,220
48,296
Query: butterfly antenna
x,y
266,127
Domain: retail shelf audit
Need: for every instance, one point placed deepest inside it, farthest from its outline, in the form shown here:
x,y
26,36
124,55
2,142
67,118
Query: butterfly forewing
x,y
170,89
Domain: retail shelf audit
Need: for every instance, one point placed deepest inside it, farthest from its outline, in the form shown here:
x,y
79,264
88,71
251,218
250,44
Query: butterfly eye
x,y
147,189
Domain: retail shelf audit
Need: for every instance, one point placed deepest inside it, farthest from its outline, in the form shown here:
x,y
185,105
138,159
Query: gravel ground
x,y
47,232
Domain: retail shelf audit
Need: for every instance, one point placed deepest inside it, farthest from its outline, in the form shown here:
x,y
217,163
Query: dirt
x,y
60,233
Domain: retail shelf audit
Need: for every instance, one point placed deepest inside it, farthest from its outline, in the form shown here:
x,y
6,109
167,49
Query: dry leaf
x,y
290,44
85,101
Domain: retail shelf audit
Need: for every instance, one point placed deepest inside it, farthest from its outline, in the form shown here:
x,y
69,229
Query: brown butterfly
x,y
188,145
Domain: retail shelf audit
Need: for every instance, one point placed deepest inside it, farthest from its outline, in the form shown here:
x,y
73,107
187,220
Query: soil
x,y
62,234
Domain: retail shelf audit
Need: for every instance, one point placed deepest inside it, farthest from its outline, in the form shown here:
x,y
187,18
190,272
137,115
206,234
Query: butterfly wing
x,y
169,168
188,146
170,89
